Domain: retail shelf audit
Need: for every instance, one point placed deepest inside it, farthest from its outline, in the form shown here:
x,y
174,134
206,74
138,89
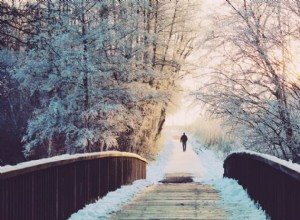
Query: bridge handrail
x,y
272,182
284,166
35,165
54,188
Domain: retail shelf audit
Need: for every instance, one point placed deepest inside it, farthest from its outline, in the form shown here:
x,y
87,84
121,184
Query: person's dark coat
x,y
183,138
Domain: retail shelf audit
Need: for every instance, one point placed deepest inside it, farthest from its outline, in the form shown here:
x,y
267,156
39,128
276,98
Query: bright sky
x,y
188,112
185,115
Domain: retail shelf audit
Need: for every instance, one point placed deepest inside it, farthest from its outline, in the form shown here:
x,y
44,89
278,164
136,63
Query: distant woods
x,y
88,75
254,77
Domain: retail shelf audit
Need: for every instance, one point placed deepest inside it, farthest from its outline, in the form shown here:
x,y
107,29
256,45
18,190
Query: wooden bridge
x,y
55,190
177,196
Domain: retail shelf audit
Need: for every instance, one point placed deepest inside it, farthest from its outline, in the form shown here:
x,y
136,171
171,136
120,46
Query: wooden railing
x,y
55,190
273,185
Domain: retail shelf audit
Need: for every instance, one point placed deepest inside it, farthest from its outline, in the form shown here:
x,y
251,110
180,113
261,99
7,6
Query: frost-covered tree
x,y
251,47
176,33
93,69
16,26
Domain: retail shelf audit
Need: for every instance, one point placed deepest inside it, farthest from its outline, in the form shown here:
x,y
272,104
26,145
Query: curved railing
x,y
271,183
56,188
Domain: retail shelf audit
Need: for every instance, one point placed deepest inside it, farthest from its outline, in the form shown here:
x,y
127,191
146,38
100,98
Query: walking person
x,y
183,140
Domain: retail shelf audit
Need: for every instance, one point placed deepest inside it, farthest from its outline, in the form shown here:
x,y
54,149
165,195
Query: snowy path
x,y
183,162
203,166
174,201
178,197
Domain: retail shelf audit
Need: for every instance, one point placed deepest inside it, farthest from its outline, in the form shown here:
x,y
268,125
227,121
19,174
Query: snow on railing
x,y
288,164
24,167
54,188
270,181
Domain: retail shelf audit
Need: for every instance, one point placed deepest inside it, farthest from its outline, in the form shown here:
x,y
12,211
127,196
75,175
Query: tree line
x,y
88,75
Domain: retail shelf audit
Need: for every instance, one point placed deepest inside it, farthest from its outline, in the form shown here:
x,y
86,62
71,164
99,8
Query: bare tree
x,y
249,81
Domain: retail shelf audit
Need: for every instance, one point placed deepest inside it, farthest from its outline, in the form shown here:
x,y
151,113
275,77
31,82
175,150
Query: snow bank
x,y
111,202
212,165
234,198
157,169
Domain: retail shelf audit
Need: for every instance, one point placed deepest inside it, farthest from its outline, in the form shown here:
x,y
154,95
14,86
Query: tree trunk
x,y
170,36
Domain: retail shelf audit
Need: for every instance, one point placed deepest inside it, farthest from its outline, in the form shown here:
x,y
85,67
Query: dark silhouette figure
x,y
183,140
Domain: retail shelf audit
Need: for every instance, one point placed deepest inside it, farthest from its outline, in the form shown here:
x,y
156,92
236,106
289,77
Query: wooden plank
x,y
174,201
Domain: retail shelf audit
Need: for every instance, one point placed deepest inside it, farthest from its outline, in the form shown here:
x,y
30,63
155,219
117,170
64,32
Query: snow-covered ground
x,y
203,164
235,198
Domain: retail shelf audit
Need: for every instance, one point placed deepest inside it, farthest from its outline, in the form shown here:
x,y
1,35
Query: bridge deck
x,y
176,198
